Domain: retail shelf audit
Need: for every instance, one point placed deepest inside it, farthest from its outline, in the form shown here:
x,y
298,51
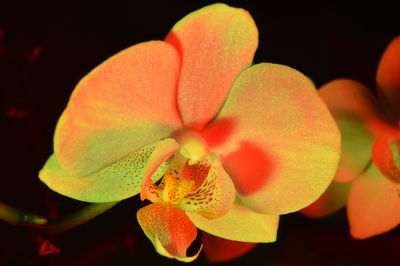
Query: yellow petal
x,y
240,224
118,181
281,145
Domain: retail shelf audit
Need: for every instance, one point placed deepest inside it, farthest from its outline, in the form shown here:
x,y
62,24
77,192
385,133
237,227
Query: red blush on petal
x,y
218,131
249,167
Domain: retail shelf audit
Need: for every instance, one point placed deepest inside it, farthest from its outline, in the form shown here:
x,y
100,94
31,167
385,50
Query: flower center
x,y
386,155
193,146
176,185
175,189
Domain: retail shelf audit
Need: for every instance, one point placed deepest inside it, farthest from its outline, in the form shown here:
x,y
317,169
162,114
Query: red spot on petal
x,y
218,131
249,167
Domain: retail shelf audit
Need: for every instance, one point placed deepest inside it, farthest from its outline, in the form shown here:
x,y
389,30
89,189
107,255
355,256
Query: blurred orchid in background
x,y
368,177
211,140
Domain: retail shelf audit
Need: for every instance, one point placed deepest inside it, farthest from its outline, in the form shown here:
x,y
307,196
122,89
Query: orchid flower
x,y
368,177
212,141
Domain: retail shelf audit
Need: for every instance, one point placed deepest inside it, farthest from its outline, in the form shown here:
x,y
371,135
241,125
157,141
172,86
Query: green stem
x,y
17,216
77,218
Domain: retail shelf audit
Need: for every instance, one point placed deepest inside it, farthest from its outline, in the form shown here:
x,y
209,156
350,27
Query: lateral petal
x,y
374,204
121,106
118,181
281,147
215,43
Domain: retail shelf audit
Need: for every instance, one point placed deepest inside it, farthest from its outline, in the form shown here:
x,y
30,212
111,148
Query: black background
x,y
324,41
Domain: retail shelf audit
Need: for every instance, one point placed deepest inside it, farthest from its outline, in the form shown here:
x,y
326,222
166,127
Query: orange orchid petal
x,y
388,78
239,224
217,249
386,154
124,104
373,205
169,229
360,120
282,146
333,199
214,197
120,180
215,43
164,150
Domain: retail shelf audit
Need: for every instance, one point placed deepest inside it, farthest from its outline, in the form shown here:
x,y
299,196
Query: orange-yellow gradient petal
x,y
120,180
283,146
215,43
333,199
373,205
388,78
124,104
168,228
359,117
217,249
214,197
240,224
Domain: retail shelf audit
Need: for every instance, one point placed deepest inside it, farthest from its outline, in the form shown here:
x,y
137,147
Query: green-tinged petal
x,y
169,229
333,199
214,198
218,249
278,141
388,79
120,180
374,204
240,224
122,105
215,43
165,150
360,119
